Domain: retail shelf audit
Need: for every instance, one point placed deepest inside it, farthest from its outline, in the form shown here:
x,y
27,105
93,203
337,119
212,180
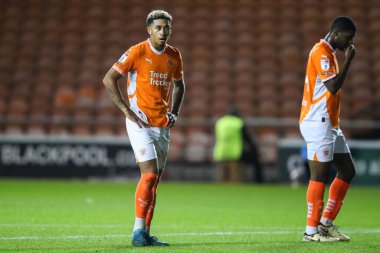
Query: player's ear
x,y
149,30
336,34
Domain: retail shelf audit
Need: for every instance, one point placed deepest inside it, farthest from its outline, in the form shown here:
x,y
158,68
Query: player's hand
x,y
172,118
133,117
350,52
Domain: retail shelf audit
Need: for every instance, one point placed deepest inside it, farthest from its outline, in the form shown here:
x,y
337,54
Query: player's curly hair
x,y
158,14
343,23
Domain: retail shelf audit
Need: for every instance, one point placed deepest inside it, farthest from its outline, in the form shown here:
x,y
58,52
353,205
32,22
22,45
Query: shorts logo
x,y
326,151
142,151
325,64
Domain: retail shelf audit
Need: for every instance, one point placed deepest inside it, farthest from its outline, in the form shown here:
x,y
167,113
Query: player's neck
x,y
157,47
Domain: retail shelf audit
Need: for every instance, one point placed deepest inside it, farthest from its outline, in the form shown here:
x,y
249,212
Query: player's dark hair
x,y
343,23
158,14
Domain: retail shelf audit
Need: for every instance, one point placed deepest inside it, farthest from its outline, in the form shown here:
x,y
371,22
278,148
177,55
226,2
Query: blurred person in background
x,y
152,67
319,126
233,147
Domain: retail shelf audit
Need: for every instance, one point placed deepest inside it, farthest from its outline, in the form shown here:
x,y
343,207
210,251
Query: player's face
x,y
159,32
344,39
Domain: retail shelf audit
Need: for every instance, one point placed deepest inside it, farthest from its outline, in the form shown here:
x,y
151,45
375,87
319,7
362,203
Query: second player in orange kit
x,y
319,126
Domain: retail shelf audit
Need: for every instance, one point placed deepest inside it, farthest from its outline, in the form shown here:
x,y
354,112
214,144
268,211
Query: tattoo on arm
x,y
178,95
116,97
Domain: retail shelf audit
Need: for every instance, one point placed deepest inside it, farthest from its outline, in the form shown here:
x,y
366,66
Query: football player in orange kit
x,y
152,67
319,126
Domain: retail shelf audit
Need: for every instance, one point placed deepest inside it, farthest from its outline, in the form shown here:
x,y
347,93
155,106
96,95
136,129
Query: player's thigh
x,y
319,170
342,157
345,166
343,162
149,166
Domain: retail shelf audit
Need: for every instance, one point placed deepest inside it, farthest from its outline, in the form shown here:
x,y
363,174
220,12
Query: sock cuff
x,y
316,184
341,182
149,175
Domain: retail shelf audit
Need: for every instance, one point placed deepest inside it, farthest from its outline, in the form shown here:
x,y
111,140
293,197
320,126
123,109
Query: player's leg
x,y
319,153
153,240
345,172
143,199
144,191
150,213
314,194
236,172
142,143
339,187
161,148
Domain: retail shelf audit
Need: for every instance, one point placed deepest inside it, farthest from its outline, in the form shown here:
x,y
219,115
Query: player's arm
x,y
334,84
178,95
110,82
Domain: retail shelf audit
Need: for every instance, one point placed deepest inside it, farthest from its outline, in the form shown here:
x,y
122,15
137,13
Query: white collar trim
x,y
325,41
155,50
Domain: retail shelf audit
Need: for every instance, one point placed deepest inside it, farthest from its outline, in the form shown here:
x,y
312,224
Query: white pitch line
x,y
63,225
274,228
15,225
128,235
225,233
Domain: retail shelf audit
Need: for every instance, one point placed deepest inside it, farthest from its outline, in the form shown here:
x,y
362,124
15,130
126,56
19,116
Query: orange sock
x,y
338,190
149,215
314,197
143,196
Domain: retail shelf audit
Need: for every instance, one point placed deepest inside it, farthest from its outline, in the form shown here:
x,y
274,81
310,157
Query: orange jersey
x,y
150,76
317,100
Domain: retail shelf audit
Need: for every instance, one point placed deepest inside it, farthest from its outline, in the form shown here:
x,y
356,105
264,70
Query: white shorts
x,y
149,143
322,140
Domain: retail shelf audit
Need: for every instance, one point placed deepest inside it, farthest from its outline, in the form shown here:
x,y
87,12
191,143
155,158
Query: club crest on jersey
x,y
325,64
123,58
170,63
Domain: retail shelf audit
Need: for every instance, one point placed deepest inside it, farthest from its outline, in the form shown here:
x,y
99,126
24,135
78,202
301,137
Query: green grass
x,y
81,216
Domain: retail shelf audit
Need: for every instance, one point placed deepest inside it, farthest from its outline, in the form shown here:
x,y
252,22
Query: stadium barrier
x,y
83,157
366,156
27,156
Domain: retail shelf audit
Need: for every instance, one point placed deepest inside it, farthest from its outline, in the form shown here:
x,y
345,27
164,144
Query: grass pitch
x,y
83,216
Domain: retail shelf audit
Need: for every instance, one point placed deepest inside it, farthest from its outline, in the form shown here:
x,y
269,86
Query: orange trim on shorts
x,y
315,158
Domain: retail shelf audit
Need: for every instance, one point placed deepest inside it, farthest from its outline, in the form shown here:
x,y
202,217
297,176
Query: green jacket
x,y
228,138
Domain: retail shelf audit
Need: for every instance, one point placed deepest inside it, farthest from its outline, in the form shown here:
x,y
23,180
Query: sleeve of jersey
x,y
178,73
324,64
127,61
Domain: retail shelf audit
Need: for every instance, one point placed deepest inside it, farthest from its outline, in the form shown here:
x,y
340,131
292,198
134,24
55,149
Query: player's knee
x,y
347,175
319,178
351,173
318,175
151,180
